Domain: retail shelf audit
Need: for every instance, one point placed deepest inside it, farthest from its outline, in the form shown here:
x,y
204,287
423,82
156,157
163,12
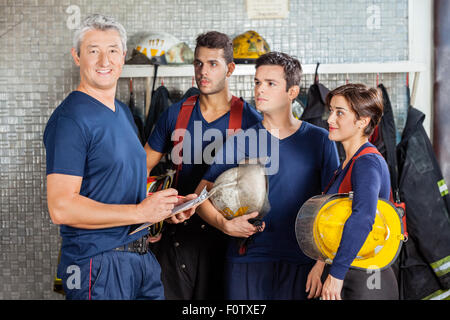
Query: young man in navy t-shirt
x,y
301,162
191,254
96,178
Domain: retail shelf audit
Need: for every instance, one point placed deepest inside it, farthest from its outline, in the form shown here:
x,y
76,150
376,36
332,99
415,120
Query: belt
x,y
138,246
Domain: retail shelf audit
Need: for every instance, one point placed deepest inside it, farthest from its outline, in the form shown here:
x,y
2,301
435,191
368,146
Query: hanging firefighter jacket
x,y
384,138
160,102
416,280
425,263
316,112
193,91
136,116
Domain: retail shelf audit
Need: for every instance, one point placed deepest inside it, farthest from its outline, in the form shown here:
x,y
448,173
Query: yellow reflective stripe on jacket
x,y
439,295
441,267
442,187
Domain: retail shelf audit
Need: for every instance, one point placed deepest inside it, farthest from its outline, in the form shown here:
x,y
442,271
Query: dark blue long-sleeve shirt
x,y
370,181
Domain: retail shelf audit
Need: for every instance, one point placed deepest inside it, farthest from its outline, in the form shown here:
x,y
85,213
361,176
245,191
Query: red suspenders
x,y
235,122
346,184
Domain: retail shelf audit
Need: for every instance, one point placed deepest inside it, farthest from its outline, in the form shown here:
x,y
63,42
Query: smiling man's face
x,y
101,59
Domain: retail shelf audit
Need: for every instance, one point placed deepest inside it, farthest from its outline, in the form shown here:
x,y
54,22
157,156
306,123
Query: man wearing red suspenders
x,y
192,253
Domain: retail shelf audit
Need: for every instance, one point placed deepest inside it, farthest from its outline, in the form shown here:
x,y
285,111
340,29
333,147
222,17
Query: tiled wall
x,y
36,73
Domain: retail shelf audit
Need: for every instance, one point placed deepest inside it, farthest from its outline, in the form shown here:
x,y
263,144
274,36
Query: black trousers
x,y
368,285
192,259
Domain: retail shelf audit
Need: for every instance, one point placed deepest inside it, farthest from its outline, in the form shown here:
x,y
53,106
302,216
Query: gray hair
x,y
99,22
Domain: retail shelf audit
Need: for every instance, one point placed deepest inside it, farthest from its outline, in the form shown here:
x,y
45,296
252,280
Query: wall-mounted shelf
x,y
145,71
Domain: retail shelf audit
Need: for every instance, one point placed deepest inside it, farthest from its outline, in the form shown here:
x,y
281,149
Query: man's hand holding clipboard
x,y
178,213
183,210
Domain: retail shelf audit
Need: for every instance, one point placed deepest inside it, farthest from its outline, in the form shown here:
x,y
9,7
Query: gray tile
x,y
37,73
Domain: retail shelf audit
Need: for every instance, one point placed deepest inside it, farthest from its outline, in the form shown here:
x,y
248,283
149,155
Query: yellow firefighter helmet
x,y
247,47
320,222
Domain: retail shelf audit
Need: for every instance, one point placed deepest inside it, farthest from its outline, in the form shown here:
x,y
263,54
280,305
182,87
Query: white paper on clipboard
x,y
182,207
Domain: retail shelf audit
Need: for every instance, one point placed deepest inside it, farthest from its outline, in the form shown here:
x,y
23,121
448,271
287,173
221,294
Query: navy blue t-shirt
x,y
299,167
200,142
85,138
370,181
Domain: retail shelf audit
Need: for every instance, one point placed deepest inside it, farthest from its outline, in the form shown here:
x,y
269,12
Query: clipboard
x,y
182,207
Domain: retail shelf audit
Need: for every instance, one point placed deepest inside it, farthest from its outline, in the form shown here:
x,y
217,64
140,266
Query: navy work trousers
x,y
114,275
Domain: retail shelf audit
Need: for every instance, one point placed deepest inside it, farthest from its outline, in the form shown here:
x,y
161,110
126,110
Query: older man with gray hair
x,y
96,178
